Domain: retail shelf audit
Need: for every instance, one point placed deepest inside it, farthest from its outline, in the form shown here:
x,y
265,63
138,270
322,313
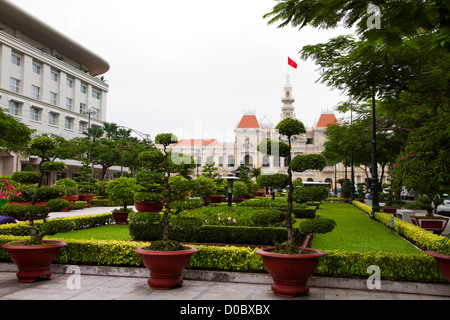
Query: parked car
x,y
444,208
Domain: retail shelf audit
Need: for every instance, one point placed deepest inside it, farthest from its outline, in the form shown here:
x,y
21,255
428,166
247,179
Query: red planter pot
x,y
33,261
217,198
86,197
237,200
70,198
442,261
120,218
290,272
148,207
165,266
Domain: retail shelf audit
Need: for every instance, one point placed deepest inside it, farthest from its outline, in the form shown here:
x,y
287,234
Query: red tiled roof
x,y
326,119
248,121
198,142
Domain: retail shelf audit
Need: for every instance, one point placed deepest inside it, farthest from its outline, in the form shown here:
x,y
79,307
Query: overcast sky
x,y
193,67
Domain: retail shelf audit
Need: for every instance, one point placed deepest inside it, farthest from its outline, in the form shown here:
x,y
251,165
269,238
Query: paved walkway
x,y
114,283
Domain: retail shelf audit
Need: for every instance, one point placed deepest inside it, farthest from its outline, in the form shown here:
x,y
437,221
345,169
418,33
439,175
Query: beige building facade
x,y
250,131
48,82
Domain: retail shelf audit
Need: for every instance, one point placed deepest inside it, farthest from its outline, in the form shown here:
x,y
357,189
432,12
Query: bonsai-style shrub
x,y
182,187
55,205
240,189
46,193
421,203
306,194
68,186
204,187
87,184
122,190
345,189
288,128
275,181
25,177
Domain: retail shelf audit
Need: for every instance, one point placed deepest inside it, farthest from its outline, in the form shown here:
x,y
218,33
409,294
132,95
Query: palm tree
x,y
110,130
255,172
94,133
123,133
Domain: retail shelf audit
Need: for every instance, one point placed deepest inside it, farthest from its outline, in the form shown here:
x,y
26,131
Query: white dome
x,y
266,123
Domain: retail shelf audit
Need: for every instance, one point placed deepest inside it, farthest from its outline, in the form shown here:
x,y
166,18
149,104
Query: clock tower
x,y
287,110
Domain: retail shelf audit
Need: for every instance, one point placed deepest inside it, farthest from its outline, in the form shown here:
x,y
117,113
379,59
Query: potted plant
x,y
204,188
122,190
429,221
87,184
34,256
70,189
289,264
441,254
345,189
150,197
240,189
166,259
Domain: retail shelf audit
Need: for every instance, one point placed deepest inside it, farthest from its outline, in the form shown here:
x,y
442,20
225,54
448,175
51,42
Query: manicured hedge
x,y
144,227
80,222
393,266
420,237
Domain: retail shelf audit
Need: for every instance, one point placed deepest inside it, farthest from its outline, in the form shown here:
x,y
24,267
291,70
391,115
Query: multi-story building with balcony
x,y
47,81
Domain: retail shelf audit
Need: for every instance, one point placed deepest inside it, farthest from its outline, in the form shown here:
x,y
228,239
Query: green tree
x,y
14,135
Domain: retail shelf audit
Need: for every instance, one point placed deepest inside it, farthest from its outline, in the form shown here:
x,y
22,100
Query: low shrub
x,y
46,193
78,205
316,226
55,205
18,211
187,204
58,226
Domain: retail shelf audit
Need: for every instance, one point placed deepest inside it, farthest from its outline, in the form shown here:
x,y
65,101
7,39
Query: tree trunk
x,y
169,198
290,231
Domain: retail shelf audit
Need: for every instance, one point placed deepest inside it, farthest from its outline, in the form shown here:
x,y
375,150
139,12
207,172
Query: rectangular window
x,y
15,59
34,114
309,141
36,68
83,88
96,94
52,118
68,123
82,108
53,76
14,108
53,98
68,104
95,113
82,127
35,92
14,85
69,83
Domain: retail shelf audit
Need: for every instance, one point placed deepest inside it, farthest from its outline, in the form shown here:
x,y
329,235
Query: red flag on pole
x,y
292,63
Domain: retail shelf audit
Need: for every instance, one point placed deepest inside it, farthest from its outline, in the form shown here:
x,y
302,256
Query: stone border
x,y
255,278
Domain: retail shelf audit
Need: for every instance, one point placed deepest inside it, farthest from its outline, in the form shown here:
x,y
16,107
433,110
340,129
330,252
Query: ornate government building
x,y
250,131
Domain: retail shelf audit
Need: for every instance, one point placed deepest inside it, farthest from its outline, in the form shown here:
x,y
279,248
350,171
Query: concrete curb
x,y
251,278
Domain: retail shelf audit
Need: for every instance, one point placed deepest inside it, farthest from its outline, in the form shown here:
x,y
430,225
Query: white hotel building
x,y
47,81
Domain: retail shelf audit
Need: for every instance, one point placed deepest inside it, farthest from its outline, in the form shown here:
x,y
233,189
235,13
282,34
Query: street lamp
x,y
230,181
352,189
374,184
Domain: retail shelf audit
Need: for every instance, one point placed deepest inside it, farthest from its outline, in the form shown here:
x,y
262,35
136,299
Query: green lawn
x,y
109,232
355,231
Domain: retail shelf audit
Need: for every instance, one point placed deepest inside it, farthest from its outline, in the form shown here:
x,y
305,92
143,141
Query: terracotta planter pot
x,y
165,266
86,197
237,200
290,272
442,261
148,207
433,224
247,196
217,198
71,198
34,261
120,217
389,209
